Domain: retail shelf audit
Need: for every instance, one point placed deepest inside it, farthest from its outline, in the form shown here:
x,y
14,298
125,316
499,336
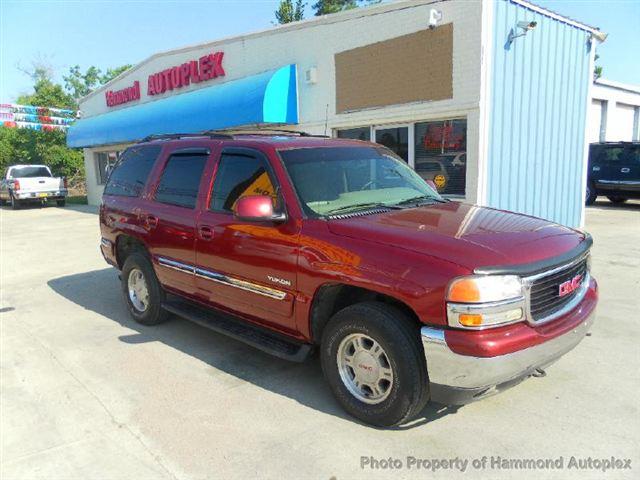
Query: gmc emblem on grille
x,y
569,286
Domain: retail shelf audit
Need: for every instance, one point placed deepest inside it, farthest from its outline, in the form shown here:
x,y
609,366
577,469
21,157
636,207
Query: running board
x,y
258,337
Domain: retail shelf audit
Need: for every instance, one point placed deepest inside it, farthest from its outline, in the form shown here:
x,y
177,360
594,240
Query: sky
x,y
109,33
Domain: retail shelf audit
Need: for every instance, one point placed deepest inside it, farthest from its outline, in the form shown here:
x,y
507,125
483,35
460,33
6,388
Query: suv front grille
x,y
544,293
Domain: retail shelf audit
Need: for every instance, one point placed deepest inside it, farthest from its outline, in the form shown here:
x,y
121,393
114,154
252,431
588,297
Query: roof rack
x,y
264,131
173,136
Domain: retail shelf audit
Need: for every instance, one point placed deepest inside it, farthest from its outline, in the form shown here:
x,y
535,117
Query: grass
x,y
77,199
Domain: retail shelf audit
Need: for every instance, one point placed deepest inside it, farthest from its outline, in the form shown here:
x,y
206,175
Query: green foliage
x,y
288,13
24,146
80,84
48,94
325,7
113,73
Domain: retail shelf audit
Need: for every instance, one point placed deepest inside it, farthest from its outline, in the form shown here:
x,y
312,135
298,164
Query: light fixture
x,y
523,27
435,17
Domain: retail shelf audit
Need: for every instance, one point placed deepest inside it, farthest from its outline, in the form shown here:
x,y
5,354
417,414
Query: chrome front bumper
x,y
458,379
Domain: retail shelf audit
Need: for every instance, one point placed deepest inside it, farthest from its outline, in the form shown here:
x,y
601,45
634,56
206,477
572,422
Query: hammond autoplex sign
x,y
205,68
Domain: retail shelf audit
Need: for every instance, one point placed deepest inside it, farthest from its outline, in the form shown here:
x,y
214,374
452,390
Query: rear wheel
x,y
142,291
374,363
15,203
591,196
617,199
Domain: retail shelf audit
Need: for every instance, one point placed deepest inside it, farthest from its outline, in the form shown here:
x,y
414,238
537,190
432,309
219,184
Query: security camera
x,y
435,17
526,26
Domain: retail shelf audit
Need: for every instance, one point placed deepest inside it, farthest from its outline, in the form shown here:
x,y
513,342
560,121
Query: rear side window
x,y
130,174
180,180
240,176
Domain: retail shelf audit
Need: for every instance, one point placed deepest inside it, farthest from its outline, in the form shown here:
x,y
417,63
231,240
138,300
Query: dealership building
x,y
489,99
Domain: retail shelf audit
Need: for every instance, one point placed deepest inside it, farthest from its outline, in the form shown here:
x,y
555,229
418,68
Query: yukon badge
x,y
569,286
281,281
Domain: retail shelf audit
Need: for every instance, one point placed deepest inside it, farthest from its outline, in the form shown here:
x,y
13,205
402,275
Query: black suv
x,y
614,171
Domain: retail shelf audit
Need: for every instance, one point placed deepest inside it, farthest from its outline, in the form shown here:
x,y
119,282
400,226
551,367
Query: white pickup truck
x,y
32,183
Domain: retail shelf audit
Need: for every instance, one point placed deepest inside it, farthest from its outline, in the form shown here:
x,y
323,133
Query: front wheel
x,y
617,200
142,291
61,203
374,363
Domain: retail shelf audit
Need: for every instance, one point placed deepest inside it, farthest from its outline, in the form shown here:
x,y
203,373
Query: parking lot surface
x,y
87,393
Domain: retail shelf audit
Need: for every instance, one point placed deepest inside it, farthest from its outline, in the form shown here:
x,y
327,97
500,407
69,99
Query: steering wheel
x,y
368,184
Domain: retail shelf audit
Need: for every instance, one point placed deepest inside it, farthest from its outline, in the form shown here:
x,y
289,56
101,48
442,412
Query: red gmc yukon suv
x,y
290,242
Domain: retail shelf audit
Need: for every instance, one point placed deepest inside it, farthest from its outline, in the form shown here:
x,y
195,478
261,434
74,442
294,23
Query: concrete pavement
x,y
87,393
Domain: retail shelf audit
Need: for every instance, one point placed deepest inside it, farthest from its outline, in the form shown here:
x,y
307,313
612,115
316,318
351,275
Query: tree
x,y
113,73
325,7
288,13
48,94
80,84
597,69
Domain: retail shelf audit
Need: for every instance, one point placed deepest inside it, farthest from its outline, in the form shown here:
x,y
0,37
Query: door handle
x,y
625,170
206,232
151,221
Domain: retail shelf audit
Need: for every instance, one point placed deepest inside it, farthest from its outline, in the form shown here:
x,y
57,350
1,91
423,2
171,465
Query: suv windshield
x,y
331,180
29,172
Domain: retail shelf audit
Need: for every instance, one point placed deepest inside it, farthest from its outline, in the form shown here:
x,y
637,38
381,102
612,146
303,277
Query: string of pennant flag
x,y
35,118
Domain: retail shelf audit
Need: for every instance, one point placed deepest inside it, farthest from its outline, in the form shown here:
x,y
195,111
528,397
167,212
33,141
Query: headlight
x,y
479,302
489,288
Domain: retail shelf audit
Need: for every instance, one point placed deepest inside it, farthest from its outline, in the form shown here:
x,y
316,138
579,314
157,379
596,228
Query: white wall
x,y
314,43
615,112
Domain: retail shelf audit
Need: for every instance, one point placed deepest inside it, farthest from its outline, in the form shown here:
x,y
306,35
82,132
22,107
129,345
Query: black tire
x,y
61,203
617,200
591,194
399,336
154,313
15,203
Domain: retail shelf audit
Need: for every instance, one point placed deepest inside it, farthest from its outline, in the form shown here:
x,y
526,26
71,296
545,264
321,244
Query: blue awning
x,y
269,97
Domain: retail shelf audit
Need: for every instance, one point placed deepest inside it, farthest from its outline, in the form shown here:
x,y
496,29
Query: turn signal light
x,y
16,185
470,319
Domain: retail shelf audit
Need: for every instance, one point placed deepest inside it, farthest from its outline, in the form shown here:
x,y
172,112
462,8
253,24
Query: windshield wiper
x,y
422,199
360,206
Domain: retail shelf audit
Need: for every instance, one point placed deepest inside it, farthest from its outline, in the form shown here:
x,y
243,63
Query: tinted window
x,y
180,180
239,176
610,155
363,133
633,155
30,172
130,174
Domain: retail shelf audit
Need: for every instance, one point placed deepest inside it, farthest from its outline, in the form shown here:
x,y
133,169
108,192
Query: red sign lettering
x,y
125,95
206,67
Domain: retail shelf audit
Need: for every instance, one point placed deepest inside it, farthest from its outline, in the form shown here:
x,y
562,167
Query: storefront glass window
x,y
395,139
104,162
363,133
440,154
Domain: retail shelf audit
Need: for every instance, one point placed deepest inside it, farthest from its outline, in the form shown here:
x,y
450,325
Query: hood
x,y
467,235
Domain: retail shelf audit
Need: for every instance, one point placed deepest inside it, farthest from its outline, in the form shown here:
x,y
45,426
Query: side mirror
x,y
432,184
257,208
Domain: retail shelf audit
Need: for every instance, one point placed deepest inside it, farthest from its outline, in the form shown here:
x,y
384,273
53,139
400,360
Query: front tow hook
x,y
539,373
